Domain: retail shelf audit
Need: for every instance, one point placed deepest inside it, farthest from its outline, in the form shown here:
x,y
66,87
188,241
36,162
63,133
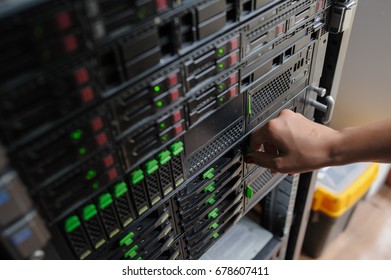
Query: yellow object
x,y
336,204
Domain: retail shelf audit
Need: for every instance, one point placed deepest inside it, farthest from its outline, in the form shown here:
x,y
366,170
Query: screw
x,y
38,255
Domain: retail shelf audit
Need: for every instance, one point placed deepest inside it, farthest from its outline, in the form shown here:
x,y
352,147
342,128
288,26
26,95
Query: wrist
x,y
337,148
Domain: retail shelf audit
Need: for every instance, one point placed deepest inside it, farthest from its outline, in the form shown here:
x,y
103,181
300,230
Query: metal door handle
x,y
326,109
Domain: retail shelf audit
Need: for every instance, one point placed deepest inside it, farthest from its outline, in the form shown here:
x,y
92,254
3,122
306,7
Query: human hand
x,y
291,144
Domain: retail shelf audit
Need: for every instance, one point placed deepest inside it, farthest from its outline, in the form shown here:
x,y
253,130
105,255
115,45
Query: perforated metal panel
x,y
262,180
177,169
202,157
165,178
270,92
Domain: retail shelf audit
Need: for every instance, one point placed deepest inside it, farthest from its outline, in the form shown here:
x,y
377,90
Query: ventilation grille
x,y
285,5
123,208
94,230
79,241
177,170
326,18
165,177
215,148
109,219
153,185
269,93
262,180
139,196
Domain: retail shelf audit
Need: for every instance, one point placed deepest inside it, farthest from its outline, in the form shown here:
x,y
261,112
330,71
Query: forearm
x,y
303,145
365,143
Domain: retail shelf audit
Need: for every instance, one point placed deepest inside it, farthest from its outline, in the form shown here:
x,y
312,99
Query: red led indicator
x,y
101,139
108,160
233,44
320,5
97,124
112,174
233,92
178,129
87,94
233,58
174,94
280,29
70,43
63,20
161,5
177,116
233,79
173,80
81,76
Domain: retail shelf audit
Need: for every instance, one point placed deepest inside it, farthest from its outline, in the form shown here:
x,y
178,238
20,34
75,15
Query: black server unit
x,y
124,123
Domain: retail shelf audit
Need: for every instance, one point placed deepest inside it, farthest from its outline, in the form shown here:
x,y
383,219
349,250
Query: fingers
x,y
257,139
266,160
271,132
270,148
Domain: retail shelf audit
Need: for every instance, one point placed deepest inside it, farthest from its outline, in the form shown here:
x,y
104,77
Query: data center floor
x,y
368,235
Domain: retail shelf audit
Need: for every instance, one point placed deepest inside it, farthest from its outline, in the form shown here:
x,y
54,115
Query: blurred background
x,y
364,92
364,97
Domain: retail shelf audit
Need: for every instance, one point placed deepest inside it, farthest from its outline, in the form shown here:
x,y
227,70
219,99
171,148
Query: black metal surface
x,y
148,116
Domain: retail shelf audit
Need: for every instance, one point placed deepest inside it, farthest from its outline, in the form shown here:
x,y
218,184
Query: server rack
x,y
124,123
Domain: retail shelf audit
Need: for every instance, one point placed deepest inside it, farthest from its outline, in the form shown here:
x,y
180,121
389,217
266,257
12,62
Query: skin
x,y
293,144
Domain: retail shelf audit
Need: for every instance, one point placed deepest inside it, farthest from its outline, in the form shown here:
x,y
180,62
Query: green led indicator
x,y
162,125
221,86
221,99
157,88
164,138
82,151
220,51
76,135
159,104
95,185
221,66
91,174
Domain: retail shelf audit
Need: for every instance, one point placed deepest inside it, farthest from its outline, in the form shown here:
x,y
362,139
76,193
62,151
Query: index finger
x,y
258,138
